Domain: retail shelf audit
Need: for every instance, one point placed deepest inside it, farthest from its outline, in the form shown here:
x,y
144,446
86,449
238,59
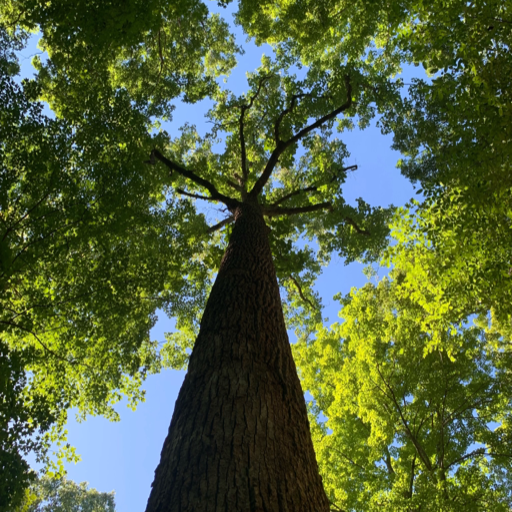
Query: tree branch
x,y
45,347
214,193
305,299
353,223
287,110
275,211
195,196
421,452
312,188
220,225
244,108
282,146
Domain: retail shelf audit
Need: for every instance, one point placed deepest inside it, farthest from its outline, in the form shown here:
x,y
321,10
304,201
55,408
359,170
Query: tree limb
x,y
195,196
220,225
282,146
244,108
353,223
214,193
312,188
274,211
305,299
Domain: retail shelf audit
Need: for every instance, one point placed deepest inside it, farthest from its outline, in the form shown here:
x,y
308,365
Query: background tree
x,y
412,402
88,250
61,495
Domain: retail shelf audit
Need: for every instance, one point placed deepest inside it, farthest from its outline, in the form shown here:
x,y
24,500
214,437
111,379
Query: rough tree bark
x,y
239,438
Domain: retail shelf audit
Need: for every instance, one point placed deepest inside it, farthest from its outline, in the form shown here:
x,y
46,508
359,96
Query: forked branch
x,y
215,195
299,289
281,146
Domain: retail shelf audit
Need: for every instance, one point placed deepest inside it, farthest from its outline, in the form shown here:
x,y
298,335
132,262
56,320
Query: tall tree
x,y
239,438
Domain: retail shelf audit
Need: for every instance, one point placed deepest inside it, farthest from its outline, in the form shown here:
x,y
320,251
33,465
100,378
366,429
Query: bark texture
x,y
239,438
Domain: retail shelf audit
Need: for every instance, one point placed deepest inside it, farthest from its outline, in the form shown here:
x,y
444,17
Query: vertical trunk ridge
x,y
239,438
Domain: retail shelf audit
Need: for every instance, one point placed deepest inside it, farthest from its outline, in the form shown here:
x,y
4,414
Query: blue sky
x,y
123,456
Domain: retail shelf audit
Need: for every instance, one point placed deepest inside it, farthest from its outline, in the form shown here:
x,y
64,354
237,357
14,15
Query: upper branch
x,y
281,146
287,110
274,211
244,108
324,119
215,195
312,188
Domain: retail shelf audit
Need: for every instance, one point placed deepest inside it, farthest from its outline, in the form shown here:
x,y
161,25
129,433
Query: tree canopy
x,y
100,226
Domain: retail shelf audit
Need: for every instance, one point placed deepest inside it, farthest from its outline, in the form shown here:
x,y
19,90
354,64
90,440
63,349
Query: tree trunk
x,y
239,438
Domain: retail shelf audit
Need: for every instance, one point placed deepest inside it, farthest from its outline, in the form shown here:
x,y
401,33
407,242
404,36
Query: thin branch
x,y
305,299
57,356
350,460
275,211
214,193
474,453
220,225
312,188
27,213
287,110
282,146
421,452
353,223
195,196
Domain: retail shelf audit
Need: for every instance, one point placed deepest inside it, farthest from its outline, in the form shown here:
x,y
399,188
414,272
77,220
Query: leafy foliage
x,y
62,495
417,415
89,250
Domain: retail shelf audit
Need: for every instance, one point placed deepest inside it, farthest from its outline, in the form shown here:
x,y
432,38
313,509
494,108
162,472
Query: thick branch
x,y
244,108
214,193
220,225
274,211
282,146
